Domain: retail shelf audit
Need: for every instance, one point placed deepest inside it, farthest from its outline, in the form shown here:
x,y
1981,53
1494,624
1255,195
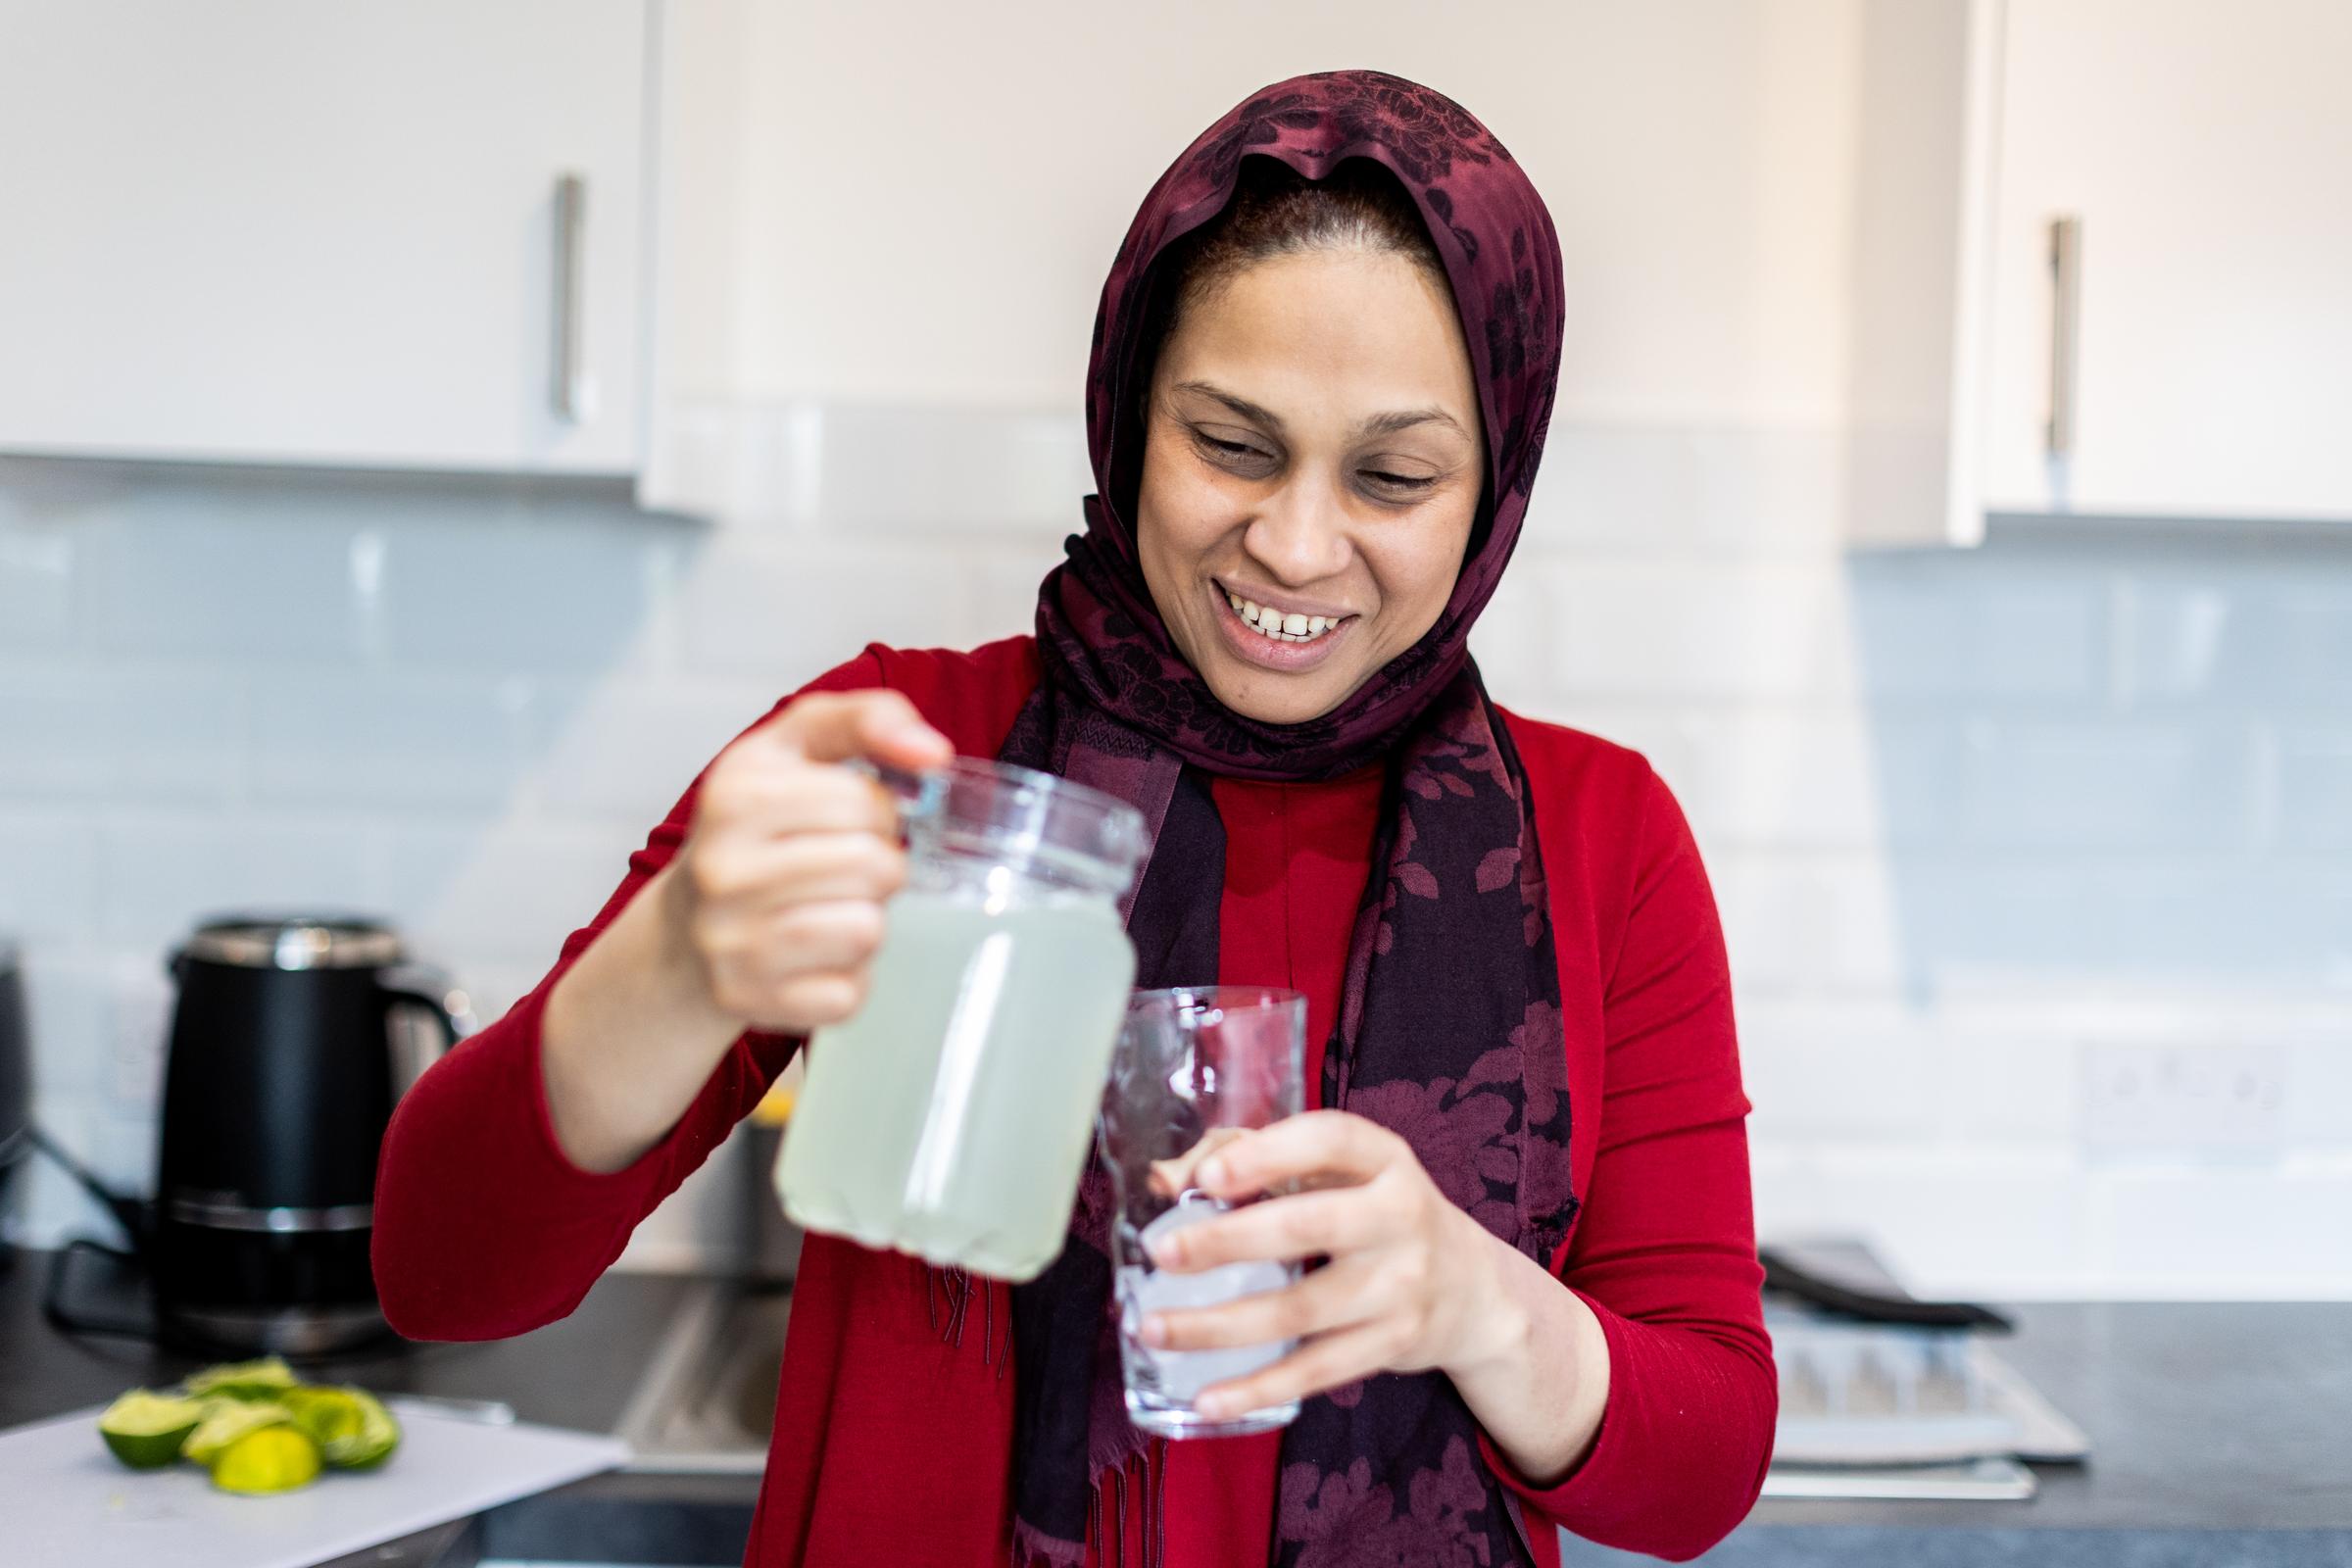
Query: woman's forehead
x,y
1353,336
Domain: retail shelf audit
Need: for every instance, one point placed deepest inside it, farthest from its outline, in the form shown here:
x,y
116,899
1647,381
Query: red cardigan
x,y
891,1447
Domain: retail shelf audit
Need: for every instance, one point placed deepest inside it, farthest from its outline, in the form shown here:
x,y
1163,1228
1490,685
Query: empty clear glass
x,y
1193,1070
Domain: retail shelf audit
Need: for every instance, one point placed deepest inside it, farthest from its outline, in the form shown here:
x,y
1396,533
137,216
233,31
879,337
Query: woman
x,y
1322,371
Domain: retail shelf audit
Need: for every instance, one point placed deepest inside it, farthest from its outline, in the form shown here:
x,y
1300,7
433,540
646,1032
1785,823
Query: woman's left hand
x,y
1412,1283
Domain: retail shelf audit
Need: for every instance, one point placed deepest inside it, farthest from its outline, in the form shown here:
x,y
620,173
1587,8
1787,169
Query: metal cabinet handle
x,y
572,391
2065,320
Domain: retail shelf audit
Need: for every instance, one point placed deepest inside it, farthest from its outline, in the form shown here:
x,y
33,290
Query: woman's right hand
x,y
775,898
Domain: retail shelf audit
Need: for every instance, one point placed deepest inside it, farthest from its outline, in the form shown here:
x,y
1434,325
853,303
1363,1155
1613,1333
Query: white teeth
x,y
1273,623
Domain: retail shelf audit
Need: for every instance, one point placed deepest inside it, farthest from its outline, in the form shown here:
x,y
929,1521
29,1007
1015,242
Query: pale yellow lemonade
x,y
951,1116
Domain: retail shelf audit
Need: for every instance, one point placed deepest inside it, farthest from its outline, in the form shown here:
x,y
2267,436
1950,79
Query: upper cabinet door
x,y
372,232
2195,340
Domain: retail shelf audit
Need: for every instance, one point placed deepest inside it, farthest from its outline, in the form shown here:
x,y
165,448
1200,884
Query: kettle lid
x,y
295,941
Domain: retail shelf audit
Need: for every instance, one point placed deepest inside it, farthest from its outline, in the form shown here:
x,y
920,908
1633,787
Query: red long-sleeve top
x,y
894,1445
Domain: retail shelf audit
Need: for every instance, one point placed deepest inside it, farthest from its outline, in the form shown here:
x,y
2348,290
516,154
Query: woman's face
x,y
1312,461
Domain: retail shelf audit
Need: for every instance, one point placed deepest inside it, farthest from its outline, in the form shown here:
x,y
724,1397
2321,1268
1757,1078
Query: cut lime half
x,y
275,1458
265,1378
227,1420
147,1430
350,1426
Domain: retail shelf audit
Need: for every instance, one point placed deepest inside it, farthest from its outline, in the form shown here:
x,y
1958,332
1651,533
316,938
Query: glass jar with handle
x,y
951,1115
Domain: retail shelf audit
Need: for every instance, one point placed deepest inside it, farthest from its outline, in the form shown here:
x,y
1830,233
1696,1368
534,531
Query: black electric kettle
x,y
291,1041
16,1086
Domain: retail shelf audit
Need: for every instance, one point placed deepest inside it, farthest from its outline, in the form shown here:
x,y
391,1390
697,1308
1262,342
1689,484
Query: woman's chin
x,y
1275,699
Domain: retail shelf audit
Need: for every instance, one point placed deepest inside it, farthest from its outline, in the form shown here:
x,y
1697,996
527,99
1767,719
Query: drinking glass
x,y
1194,1069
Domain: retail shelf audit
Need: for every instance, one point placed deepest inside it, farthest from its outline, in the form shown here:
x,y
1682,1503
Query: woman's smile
x,y
1271,637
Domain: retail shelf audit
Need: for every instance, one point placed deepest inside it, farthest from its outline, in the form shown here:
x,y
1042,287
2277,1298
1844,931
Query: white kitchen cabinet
x,y
288,232
2195,352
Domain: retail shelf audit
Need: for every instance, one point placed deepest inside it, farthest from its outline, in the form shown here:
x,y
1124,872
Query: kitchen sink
x,y
708,1399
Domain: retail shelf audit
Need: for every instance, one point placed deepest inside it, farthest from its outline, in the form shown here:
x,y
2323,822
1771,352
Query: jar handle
x,y
917,795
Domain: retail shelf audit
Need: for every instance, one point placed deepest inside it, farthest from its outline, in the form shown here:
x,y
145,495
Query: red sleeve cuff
x,y
563,1185
1680,1453
1604,1466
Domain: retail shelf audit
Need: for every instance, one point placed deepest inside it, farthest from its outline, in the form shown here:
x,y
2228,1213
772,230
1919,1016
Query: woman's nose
x,y
1299,536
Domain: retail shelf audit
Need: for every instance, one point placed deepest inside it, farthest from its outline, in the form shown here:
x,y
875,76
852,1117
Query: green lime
x,y
225,1420
350,1426
265,1378
274,1458
146,1430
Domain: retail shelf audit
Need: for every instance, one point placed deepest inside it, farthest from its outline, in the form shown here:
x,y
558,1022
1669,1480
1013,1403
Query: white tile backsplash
x,y
2255,629
414,742
461,592
160,872
48,874
2315,790
629,748
37,587
1958,1220
793,613
1676,628
1647,491
1818,778
2087,784
200,578
504,891
1994,628
77,734
2206,1229
1867,1070
1964,811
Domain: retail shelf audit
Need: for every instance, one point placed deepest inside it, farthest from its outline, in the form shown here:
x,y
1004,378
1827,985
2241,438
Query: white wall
x,y
1981,824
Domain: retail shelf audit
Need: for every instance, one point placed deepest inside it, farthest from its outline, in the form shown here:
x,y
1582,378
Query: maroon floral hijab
x,y
1449,1022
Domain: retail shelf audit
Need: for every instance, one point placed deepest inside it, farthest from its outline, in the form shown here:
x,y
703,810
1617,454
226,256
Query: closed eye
x,y
1242,458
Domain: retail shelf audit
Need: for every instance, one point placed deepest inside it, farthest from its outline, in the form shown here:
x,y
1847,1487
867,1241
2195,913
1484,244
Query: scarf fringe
x,y
1031,1547
1106,1520
948,1297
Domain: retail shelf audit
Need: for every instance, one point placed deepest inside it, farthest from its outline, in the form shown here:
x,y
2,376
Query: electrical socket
x,y
2199,1096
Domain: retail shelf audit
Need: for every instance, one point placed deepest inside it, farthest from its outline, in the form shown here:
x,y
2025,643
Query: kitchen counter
x,y
2222,1434
578,1373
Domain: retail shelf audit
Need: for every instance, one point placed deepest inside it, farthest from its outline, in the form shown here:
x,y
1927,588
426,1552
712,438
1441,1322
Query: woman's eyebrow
x,y
1405,420
1375,425
1239,405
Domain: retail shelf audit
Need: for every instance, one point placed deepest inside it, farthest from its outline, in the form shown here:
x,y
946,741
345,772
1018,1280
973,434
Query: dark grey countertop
x,y
2222,1434
577,1373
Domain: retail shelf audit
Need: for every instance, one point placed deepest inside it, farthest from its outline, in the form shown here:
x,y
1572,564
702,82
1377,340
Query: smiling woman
x,y
1323,366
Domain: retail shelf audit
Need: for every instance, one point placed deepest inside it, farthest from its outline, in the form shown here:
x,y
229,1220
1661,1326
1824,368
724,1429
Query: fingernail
x,y
1166,1251
1155,1331
1213,1172
1216,1406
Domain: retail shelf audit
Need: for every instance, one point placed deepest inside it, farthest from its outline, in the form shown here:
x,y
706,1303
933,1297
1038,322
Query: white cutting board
x,y
65,1499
